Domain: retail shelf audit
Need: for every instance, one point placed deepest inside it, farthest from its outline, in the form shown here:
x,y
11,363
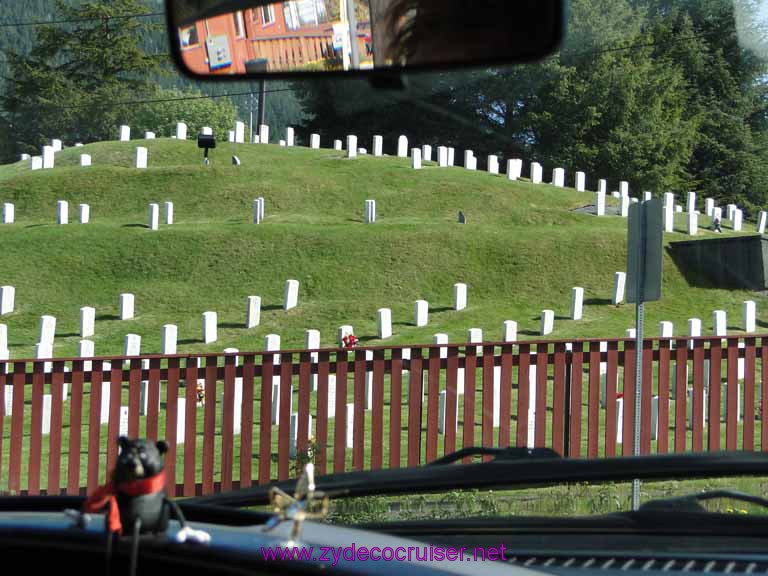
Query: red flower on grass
x,y
350,341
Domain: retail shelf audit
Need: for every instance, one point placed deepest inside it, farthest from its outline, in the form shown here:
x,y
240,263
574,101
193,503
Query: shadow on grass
x,y
598,301
191,341
367,338
272,307
108,317
562,317
232,325
135,226
529,332
69,335
440,309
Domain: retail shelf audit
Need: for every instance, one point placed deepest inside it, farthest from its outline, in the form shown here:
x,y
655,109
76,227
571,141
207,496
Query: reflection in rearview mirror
x,y
241,37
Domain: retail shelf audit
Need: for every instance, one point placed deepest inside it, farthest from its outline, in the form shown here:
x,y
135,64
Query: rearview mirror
x,y
258,38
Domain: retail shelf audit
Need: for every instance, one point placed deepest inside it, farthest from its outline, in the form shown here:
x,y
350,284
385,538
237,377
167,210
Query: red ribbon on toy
x,y
107,496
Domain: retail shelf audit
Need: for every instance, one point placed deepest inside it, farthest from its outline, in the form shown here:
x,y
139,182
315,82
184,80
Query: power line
x,y
154,101
79,20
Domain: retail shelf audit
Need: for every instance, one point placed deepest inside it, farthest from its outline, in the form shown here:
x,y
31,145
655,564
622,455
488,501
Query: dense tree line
x,y
656,92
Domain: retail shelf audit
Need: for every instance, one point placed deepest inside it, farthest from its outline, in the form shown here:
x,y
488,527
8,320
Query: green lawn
x,y
522,250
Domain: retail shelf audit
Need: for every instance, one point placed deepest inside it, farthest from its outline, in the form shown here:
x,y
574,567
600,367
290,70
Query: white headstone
x,y
86,349
253,311
84,213
624,204
717,214
351,146
451,156
291,294
154,216
338,145
263,134
239,132
370,212
290,137
493,164
602,186
600,203
87,321
141,157
168,213
536,173
384,323
468,156
293,434
206,131
4,338
48,157
402,147
126,306
181,131
581,181
169,334
350,424
666,329
210,329
36,163
24,157
558,177
514,168
344,331
669,212
9,213
421,313
738,217
509,331
7,299
442,156
709,206
476,336
47,329
123,428
271,344
619,280
416,158
577,303
44,351
312,342
690,205
104,413
761,221
331,395
426,153
362,151
624,188
749,316
85,160
125,133
8,399
62,212
719,325
132,346
694,329
693,223
547,322
149,136
181,419
258,210
314,141
46,425
459,296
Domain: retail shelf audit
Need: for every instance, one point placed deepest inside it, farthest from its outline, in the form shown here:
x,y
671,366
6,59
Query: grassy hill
x,y
522,250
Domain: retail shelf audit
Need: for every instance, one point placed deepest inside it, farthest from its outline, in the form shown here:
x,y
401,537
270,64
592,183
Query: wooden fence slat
x,y
748,442
75,429
322,413
763,393
665,350
303,428
523,393
17,428
697,407
247,421
488,400
377,417
416,383
732,395
228,422
540,425
115,401
265,419
681,394
191,375
627,434
433,398
577,375
611,381
134,397
54,437
395,408
340,425
209,424
470,368
283,427
360,400
153,399
646,398
715,358
94,424
36,429
593,412
171,424
505,398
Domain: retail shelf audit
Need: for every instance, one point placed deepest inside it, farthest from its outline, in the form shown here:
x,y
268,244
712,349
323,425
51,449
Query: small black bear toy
x,y
135,497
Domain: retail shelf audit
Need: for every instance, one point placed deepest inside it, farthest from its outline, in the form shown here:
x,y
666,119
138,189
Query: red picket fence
x,y
407,406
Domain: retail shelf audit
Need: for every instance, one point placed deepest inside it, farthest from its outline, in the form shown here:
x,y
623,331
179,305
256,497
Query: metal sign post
x,y
644,245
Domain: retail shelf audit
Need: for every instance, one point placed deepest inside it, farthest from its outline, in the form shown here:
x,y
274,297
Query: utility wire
x,y
79,20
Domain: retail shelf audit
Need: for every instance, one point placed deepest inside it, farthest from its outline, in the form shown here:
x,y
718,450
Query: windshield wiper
x,y
692,502
510,473
497,453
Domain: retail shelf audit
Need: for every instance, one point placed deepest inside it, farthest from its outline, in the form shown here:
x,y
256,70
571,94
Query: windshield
x,y
270,274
